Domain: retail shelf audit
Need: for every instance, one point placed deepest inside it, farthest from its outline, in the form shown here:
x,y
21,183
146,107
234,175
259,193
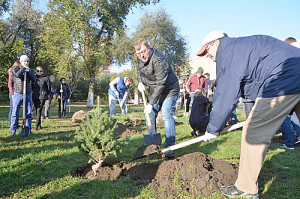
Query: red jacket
x,y
196,82
10,83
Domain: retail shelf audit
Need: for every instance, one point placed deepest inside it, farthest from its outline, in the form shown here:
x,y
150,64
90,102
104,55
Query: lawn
x,y
42,166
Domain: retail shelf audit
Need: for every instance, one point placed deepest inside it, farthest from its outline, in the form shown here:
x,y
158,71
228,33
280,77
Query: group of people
x,y
36,89
259,69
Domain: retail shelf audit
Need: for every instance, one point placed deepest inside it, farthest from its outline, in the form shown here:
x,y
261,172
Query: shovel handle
x,y
147,114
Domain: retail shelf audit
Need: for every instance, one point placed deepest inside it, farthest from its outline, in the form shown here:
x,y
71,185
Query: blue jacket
x,y
120,87
251,67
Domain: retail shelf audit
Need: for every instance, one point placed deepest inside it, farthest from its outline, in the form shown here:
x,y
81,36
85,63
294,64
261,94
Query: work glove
x,y
208,136
12,97
141,87
117,94
68,101
148,109
27,69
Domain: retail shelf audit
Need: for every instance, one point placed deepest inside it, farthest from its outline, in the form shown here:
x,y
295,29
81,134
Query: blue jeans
x,y
17,102
10,109
287,131
168,109
112,106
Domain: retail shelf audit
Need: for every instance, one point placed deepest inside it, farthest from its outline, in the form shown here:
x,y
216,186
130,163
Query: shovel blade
x,y
24,132
153,139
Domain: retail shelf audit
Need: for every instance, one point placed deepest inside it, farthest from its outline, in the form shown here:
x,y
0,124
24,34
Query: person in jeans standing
x,y
10,85
156,76
41,93
18,78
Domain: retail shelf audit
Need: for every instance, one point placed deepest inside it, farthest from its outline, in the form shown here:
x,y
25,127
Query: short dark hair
x,y
138,44
130,80
290,40
62,79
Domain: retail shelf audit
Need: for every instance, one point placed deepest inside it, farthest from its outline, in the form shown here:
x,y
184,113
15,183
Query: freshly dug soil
x,y
144,151
194,173
124,131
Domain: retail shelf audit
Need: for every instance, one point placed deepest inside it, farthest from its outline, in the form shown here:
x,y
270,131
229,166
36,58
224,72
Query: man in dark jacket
x,y
18,79
156,76
63,91
259,68
41,93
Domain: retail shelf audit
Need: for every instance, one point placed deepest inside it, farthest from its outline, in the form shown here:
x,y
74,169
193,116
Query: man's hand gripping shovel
x,y
152,138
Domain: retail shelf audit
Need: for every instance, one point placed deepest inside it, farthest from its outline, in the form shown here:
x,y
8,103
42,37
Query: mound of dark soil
x,y
194,173
145,150
124,131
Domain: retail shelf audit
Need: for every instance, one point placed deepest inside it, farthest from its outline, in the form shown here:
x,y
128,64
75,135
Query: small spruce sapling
x,y
96,137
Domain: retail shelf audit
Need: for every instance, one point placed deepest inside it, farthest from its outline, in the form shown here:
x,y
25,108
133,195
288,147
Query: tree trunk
x,y
90,100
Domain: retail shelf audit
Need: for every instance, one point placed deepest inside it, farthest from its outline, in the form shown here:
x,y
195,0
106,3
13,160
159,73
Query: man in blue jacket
x,y
118,91
259,68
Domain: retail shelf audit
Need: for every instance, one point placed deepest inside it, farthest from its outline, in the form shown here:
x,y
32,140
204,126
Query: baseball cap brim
x,y
203,50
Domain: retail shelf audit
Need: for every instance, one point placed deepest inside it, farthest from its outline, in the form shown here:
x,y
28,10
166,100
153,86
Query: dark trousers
x,y
62,104
38,105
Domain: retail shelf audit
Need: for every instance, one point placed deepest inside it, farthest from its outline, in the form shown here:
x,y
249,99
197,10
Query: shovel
x,y
24,130
152,138
61,102
189,142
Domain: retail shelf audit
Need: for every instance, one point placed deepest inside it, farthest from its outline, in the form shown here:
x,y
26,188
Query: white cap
x,y
296,44
24,57
212,36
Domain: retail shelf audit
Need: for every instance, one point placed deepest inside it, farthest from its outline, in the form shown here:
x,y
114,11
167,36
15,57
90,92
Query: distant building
x,y
206,63
106,68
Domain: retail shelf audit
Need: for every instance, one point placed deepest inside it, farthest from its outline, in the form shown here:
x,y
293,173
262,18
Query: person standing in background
x,y
18,78
41,93
10,85
64,93
50,97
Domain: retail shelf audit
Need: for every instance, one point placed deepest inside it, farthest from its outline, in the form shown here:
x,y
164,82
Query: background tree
x,y
159,29
19,29
86,29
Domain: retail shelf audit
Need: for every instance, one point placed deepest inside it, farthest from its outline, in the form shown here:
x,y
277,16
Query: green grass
x,y
41,166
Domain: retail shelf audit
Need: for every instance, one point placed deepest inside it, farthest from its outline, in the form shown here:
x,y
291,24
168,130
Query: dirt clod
x,y
193,173
124,131
145,150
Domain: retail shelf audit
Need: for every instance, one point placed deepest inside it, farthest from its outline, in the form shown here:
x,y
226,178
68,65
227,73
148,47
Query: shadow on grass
x,y
279,177
122,188
33,171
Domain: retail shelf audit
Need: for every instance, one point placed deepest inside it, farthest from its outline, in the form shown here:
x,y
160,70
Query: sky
x,y
196,18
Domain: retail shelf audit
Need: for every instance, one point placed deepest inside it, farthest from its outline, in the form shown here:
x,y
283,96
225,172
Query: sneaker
x,y
30,134
233,192
171,154
297,140
284,146
12,134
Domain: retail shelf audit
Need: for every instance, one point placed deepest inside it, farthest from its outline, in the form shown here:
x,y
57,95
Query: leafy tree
x,y
86,29
4,6
18,34
159,29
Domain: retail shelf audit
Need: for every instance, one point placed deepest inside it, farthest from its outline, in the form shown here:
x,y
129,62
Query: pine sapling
x,y
96,137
